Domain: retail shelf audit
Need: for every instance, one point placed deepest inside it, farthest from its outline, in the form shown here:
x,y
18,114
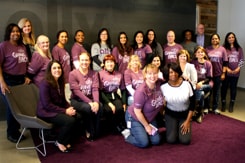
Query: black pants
x,y
116,119
67,126
90,119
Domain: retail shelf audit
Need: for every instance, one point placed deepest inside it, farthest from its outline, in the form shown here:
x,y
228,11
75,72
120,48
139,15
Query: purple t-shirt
x,y
217,57
170,52
148,101
111,82
121,60
37,67
76,50
84,87
134,79
204,70
61,55
235,59
13,58
142,52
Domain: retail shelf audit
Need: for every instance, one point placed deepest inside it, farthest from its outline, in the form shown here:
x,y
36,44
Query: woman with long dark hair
x,y
53,107
122,52
151,39
141,49
101,48
235,62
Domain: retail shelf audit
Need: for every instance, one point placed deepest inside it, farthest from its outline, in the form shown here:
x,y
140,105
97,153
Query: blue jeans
x,y
12,125
199,93
138,135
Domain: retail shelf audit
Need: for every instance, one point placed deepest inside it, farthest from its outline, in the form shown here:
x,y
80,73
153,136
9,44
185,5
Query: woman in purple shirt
x,y
60,54
13,66
204,81
141,49
235,62
84,84
122,52
114,103
218,57
141,115
133,77
40,59
53,107
77,48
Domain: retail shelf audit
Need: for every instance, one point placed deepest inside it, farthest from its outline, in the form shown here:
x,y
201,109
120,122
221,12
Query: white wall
x,y
231,15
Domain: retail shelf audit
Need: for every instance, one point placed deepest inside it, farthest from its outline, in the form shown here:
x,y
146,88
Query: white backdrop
x,y
231,16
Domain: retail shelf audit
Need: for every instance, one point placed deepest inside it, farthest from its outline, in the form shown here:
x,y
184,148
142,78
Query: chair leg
x,y
43,153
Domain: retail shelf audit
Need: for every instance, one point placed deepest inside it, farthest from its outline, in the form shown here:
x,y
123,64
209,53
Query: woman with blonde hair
x,y
133,77
28,36
141,115
40,59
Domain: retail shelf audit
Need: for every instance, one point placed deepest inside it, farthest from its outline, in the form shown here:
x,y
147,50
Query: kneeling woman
x,y
180,99
141,115
84,84
54,108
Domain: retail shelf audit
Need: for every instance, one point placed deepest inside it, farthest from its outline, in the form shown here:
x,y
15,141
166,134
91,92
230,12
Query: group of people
x,y
131,86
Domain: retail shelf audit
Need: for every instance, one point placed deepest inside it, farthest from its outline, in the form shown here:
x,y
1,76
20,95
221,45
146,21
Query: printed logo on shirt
x,y
113,84
66,58
86,89
125,58
233,57
105,51
158,101
136,83
22,58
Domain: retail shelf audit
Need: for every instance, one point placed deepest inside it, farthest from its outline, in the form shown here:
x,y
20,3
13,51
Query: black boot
x,y
231,106
199,113
223,106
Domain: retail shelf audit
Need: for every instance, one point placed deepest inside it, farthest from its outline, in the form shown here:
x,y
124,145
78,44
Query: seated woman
x,y
133,77
84,84
141,115
111,83
53,107
40,59
188,69
156,60
204,85
180,99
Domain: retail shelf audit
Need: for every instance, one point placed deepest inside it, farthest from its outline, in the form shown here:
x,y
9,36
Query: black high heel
x,y
63,151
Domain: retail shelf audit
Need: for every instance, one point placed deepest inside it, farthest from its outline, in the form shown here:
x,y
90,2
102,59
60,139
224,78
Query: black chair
x,y
22,101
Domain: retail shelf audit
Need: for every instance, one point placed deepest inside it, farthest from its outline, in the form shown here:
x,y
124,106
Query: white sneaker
x,y
216,111
125,133
205,111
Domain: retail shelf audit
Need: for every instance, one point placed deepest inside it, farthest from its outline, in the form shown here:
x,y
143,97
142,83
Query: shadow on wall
x,y
36,22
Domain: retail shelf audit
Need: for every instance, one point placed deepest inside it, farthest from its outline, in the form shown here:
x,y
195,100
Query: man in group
x,y
201,38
